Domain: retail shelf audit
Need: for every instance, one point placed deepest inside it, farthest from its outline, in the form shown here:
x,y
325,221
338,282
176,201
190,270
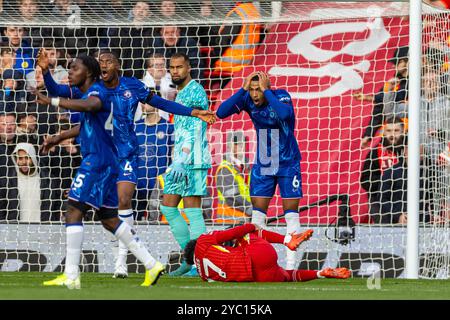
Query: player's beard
x,y
179,81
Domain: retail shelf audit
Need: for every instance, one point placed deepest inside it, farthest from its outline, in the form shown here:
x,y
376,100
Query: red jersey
x,y
217,262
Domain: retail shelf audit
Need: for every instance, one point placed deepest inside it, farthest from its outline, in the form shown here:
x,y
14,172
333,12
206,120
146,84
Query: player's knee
x,y
110,224
75,211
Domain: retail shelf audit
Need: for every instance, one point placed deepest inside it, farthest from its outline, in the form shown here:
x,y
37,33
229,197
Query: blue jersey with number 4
x,y
124,100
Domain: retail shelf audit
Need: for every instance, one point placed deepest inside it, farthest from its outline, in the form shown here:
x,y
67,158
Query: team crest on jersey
x,y
160,134
127,94
25,64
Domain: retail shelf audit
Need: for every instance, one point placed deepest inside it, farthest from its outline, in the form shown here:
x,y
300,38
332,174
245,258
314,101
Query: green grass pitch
x,y
24,285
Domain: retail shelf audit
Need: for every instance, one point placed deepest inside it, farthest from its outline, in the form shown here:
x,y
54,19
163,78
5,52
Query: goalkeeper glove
x,y
178,172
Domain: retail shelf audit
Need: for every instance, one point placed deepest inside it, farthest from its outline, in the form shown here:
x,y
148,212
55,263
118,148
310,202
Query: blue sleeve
x,y
168,106
232,105
143,92
60,90
283,108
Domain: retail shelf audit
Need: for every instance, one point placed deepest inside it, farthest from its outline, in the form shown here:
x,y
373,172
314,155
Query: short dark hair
x,y
255,78
189,252
8,114
155,55
394,120
91,64
104,51
181,55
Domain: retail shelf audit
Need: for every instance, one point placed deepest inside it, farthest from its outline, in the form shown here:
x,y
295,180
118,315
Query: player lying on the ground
x,y
251,258
124,95
277,161
94,185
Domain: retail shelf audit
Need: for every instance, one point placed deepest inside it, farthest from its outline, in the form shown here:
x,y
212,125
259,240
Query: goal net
x,y
345,66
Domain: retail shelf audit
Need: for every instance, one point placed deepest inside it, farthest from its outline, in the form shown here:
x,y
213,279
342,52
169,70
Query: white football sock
x,y
125,234
259,218
74,241
292,225
127,217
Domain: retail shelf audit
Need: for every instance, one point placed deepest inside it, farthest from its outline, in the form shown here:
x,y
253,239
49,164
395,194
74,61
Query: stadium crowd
x,y
144,54
33,185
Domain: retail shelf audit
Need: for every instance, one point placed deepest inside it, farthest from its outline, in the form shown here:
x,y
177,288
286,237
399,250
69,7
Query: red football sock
x,y
302,275
270,236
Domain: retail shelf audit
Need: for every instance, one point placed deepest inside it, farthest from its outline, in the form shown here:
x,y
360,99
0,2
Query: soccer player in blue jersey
x,y
123,95
94,183
278,155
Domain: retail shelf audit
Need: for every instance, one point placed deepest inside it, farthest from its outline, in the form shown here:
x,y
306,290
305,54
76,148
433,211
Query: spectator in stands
x,y
394,184
27,128
207,35
155,142
8,139
64,8
11,91
436,133
392,96
129,43
232,187
238,41
65,159
24,52
29,194
118,10
158,78
168,10
7,58
393,191
76,39
28,10
379,159
35,80
171,41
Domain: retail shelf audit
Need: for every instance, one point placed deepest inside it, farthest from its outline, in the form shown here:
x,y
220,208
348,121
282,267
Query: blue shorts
x,y
95,185
264,186
128,169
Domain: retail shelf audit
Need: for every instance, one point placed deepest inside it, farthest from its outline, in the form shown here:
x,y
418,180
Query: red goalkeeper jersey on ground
x,y
217,262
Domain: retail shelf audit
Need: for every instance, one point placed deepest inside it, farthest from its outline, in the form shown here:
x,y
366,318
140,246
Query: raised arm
x,y
148,97
91,104
283,110
53,88
234,233
235,103
232,105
